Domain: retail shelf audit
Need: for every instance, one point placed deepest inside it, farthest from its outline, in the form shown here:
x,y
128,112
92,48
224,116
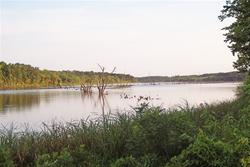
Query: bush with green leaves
x,y
55,159
5,157
213,153
204,152
150,160
67,157
245,88
126,162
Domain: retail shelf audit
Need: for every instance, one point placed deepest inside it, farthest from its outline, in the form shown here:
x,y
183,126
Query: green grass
x,y
214,135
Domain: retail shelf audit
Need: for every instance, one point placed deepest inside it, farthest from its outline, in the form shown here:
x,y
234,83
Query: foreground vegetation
x,y
215,135
14,76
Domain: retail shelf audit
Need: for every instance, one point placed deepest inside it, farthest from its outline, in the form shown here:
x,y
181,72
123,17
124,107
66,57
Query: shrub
x,y
80,156
126,162
156,131
242,152
150,160
62,159
244,90
5,157
204,152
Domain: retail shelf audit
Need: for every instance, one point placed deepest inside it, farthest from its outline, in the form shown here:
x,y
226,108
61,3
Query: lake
x,y
46,105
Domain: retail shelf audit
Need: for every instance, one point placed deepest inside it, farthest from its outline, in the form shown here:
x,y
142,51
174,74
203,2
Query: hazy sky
x,y
141,37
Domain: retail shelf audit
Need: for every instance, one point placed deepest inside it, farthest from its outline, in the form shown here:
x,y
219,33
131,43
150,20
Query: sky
x,y
138,37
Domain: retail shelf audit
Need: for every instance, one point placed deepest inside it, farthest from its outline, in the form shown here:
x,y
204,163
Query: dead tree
x,y
86,87
102,80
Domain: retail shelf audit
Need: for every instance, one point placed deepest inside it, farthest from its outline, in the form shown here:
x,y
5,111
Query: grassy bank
x,y
215,135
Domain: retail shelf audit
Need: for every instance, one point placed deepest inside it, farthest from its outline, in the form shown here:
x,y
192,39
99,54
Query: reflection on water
x,y
24,100
99,101
36,106
18,102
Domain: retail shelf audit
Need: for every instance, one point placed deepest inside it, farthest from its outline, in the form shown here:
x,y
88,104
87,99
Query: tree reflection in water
x,y
26,100
98,101
18,102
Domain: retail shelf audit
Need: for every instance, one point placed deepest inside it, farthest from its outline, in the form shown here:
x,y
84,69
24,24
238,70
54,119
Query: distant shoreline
x,y
207,78
21,76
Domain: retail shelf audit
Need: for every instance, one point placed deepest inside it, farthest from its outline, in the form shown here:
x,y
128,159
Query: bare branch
x,y
101,67
113,70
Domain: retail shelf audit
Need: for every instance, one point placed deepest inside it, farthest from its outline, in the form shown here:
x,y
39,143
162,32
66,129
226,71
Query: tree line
x,y
25,76
213,77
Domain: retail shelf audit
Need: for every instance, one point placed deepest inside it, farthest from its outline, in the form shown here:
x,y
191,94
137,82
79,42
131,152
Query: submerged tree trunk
x,y
87,85
102,81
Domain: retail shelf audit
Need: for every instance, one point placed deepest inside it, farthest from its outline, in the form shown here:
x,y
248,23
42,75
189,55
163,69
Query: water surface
x,y
44,105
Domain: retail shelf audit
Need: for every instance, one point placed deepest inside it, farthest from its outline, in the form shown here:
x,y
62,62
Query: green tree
x,y
25,76
238,33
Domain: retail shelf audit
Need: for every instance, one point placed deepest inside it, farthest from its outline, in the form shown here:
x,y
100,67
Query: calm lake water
x,y
45,105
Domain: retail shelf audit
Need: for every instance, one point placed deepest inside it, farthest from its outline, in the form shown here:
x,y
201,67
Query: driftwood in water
x,y
86,88
102,81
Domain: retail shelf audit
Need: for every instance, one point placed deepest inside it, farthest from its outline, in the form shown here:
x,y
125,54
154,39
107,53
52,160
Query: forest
x,y
14,76
213,77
